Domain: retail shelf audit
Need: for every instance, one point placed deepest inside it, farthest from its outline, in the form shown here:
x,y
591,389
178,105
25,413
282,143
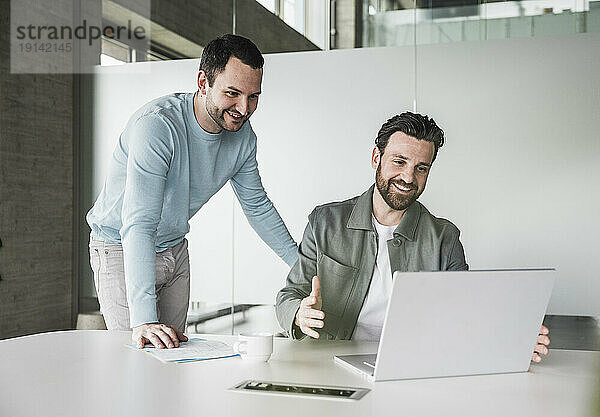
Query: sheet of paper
x,y
195,349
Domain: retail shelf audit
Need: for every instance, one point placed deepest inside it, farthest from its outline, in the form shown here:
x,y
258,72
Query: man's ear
x,y
202,82
375,158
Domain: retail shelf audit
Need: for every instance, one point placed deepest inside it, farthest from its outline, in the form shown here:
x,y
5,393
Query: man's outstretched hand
x,y
160,335
309,314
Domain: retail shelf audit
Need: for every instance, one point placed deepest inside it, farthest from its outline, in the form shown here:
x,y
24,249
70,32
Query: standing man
x,y
342,282
175,153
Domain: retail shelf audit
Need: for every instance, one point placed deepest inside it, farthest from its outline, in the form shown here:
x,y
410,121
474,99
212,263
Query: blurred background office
x,y
50,169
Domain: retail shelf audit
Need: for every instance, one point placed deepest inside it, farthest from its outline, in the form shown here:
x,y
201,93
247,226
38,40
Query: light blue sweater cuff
x,y
144,312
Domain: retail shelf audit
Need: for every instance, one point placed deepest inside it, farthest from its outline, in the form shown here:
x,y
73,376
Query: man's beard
x,y
394,199
218,116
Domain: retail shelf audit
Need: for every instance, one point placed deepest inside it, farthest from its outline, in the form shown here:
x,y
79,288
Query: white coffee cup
x,y
254,347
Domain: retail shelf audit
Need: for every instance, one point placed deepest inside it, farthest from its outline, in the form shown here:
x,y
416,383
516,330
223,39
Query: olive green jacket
x,y
340,247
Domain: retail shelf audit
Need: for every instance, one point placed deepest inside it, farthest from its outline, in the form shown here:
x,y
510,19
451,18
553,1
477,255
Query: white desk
x,y
92,373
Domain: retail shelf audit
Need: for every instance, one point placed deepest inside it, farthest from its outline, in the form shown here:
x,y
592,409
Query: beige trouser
x,y
172,284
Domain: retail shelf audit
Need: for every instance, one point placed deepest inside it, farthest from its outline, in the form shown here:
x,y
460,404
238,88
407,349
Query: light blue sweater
x,y
165,167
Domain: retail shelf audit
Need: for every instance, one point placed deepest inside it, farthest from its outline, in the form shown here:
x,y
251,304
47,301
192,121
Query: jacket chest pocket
x,y
337,282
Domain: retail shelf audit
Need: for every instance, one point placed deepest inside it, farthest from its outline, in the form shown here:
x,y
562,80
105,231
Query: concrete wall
x,y
347,23
36,197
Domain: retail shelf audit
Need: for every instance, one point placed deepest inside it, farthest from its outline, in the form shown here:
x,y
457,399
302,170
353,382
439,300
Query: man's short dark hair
x,y
413,124
218,51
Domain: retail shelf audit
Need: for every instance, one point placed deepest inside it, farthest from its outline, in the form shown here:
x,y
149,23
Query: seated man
x,y
343,279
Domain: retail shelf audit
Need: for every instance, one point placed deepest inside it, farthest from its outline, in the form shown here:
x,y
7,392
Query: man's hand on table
x,y
541,348
309,314
160,335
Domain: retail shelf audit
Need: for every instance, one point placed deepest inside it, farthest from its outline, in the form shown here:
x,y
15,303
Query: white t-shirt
x,y
370,319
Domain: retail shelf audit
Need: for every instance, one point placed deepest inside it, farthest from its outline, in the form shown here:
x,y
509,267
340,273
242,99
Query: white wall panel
x,y
316,126
521,170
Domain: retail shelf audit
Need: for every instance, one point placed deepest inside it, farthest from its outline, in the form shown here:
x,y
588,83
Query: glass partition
x,y
389,23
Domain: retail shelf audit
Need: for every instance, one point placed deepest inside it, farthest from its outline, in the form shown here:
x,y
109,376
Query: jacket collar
x,y
361,216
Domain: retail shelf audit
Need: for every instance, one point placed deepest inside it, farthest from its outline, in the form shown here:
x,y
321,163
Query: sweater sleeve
x,y
149,156
260,211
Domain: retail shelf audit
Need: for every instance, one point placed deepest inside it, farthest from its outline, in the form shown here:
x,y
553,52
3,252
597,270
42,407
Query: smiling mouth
x,y
401,188
235,116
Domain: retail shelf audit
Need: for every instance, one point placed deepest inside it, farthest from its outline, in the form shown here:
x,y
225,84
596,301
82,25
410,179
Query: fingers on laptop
x,y
541,347
543,340
539,350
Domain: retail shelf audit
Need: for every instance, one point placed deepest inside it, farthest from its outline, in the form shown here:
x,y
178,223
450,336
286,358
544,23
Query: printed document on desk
x,y
195,349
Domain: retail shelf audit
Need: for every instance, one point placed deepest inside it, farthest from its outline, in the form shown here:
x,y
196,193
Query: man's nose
x,y
407,175
242,105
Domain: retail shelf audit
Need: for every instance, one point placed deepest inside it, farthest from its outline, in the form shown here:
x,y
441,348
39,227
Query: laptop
x,y
455,323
